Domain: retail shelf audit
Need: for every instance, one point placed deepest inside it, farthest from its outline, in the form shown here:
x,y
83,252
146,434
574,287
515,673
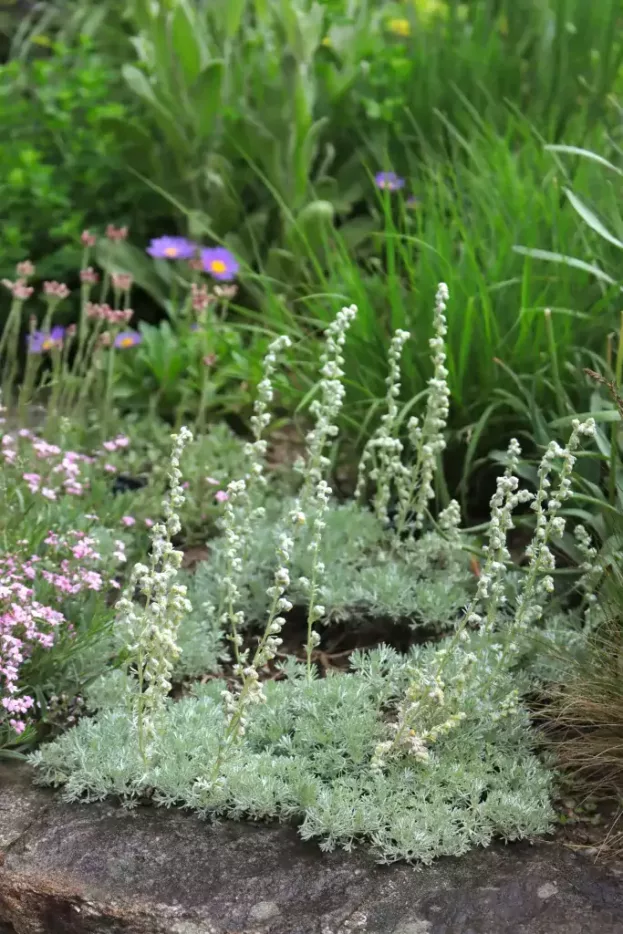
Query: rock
x,y
100,869
547,890
264,911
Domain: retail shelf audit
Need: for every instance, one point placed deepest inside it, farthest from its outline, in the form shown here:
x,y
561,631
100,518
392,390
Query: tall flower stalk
x,y
151,627
326,408
415,483
313,500
384,449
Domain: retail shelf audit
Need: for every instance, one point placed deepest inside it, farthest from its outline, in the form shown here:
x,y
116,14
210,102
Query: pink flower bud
x,y
89,276
56,290
25,270
87,238
122,281
221,496
116,233
209,359
200,297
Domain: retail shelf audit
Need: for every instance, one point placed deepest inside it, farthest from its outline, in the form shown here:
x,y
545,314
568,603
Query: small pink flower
x,y
128,521
48,493
221,496
116,233
25,269
89,276
122,281
87,238
121,441
149,523
110,445
213,481
110,468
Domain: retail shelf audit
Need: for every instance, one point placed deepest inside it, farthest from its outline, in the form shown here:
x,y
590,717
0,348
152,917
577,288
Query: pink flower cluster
x,y
33,594
106,313
57,290
200,297
18,289
89,276
54,472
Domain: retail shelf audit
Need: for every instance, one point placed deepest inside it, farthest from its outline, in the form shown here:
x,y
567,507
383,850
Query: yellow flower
x,y
326,41
399,27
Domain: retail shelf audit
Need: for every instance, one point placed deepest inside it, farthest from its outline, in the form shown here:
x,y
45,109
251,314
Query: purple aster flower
x,y
172,248
44,341
220,263
388,181
125,339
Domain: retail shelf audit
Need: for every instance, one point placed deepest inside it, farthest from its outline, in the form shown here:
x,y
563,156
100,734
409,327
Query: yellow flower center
x,y
47,344
171,251
217,265
400,27
126,341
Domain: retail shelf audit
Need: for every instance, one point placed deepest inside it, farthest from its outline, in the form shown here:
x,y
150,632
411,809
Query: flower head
x,y
220,263
122,281
389,181
43,341
25,269
18,289
399,27
87,238
126,339
55,290
88,276
116,233
172,248
221,496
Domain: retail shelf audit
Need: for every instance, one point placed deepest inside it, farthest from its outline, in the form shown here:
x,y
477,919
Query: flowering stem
x,y
110,376
11,333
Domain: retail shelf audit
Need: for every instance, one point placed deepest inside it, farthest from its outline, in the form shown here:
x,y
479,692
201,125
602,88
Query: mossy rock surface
x,y
100,869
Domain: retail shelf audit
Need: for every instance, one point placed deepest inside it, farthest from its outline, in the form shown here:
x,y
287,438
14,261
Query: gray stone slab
x,y
99,869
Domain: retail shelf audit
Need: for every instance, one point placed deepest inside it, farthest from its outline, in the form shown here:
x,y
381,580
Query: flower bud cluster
x,y
326,408
415,484
150,628
384,449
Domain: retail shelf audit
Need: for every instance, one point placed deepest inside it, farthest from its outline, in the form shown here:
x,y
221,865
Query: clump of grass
x,y
584,712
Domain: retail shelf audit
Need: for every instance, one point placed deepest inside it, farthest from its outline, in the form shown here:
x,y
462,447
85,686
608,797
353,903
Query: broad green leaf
x,y
234,13
586,153
186,38
138,82
206,98
565,261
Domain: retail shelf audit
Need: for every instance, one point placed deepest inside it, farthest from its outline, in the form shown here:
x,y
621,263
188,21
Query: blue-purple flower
x,y
172,248
389,181
44,341
220,263
125,339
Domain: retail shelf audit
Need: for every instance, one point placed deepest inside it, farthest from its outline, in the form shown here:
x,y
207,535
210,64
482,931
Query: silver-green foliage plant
x,y
421,755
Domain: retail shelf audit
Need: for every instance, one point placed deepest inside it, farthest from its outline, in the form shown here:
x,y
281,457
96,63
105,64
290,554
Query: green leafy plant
x,y
59,110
